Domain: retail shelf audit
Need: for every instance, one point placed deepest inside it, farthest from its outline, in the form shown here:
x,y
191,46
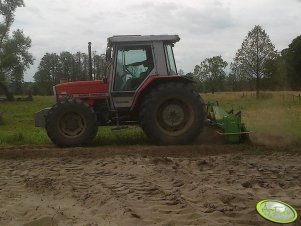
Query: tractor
x,y
142,87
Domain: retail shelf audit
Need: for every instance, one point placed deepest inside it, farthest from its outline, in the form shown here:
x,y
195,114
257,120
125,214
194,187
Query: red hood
x,y
82,87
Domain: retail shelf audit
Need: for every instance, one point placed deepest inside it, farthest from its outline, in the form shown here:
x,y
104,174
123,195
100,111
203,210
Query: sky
x,y
207,28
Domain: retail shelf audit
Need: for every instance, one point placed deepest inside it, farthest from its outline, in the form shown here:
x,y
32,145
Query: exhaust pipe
x,y
90,60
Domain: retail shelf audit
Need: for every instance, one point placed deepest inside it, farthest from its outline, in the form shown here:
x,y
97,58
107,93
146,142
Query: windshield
x,y
170,60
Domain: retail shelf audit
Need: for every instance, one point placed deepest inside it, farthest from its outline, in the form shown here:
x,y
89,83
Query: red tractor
x,y
142,87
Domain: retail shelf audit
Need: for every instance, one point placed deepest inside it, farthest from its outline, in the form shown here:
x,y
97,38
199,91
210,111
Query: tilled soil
x,y
145,185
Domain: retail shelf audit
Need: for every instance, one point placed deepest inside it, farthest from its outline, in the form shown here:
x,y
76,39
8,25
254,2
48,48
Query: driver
x,y
148,64
130,76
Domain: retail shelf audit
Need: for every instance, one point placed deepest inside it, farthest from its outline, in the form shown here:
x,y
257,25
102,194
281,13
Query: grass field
x,y
275,114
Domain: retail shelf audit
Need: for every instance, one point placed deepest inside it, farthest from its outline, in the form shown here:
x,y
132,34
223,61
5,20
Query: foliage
x,y
277,78
211,73
236,80
274,71
14,46
48,73
73,67
255,52
292,58
99,66
7,10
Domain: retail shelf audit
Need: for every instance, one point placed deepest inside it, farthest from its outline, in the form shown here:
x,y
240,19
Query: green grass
x,y
17,126
17,122
275,114
107,136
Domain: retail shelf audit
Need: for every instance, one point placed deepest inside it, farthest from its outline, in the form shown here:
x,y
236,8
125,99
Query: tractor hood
x,y
82,89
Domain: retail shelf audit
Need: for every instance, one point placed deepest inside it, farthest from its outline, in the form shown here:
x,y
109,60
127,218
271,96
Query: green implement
x,y
229,123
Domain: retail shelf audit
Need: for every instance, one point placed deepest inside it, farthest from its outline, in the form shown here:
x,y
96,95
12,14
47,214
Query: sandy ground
x,y
204,184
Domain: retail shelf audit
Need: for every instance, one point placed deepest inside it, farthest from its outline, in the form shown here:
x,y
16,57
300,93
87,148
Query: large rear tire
x,y
173,113
71,124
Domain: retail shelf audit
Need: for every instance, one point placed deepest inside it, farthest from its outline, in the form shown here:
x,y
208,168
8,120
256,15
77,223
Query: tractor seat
x,y
133,83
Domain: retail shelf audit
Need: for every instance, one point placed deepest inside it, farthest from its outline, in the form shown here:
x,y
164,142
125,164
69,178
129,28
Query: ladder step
x,y
119,127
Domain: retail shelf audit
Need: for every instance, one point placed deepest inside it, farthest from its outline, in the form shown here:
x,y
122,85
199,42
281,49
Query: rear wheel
x,y
172,113
71,124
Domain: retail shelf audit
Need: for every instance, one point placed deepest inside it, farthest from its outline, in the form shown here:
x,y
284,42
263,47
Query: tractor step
x,y
119,127
247,132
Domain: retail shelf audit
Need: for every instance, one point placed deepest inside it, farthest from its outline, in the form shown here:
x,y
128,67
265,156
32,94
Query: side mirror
x,y
108,54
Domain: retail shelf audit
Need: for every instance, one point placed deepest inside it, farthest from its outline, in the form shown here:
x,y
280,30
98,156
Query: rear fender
x,y
153,81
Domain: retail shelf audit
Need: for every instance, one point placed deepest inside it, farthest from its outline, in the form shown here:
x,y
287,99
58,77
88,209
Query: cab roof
x,y
142,38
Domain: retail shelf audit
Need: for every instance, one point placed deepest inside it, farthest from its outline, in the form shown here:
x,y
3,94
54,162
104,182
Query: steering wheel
x,y
127,72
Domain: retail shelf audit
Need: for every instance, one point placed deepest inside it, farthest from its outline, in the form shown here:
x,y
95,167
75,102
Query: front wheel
x,y
71,124
172,113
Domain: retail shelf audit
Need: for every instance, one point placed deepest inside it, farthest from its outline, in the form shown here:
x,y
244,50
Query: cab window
x,y
133,65
170,60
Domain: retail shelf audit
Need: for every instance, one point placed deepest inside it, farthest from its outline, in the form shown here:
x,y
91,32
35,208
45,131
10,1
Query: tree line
x,y
66,66
256,66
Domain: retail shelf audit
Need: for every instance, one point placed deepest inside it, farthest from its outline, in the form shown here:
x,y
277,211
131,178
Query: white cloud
x,y
207,27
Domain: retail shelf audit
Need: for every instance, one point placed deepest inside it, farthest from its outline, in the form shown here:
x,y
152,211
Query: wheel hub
x,y
72,124
173,115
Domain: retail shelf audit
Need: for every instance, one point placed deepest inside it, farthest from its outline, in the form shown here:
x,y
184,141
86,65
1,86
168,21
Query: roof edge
x,y
142,38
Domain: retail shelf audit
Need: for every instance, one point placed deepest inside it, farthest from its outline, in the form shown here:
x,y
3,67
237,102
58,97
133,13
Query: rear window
x,y
170,60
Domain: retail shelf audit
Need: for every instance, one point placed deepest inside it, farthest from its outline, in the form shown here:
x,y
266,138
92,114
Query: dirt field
x,y
207,184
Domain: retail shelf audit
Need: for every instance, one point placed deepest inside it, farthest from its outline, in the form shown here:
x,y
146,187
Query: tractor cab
x,y
136,60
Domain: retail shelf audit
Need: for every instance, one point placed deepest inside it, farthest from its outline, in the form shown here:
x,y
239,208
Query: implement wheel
x,y
172,113
71,124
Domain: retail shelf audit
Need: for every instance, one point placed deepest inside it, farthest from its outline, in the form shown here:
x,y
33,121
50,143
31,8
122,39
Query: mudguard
x,y
40,117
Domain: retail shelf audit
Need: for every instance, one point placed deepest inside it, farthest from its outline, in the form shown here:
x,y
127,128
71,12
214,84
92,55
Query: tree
x,y
277,78
211,73
15,59
80,66
100,66
292,58
256,50
49,73
14,46
73,67
67,64
181,72
237,80
7,10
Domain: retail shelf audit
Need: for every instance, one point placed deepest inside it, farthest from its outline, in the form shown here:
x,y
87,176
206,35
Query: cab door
x,y
133,64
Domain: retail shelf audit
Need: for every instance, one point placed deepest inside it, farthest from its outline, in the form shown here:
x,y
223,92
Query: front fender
x,y
40,117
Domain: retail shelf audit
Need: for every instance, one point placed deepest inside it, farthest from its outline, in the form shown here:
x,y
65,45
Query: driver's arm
x,y
138,63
